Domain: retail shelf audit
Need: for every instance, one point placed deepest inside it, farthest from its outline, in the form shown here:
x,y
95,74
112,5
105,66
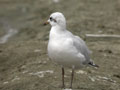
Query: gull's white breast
x,y
62,50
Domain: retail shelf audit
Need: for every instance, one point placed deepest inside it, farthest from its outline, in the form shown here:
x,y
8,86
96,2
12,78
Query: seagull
x,y
66,49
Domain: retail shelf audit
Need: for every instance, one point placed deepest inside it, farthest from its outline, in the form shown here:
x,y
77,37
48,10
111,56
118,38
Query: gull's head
x,y
57,19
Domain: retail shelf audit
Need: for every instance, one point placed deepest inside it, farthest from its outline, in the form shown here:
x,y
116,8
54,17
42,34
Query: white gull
x,y
65,48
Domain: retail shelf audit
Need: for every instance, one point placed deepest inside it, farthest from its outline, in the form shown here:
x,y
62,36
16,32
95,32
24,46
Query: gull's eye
x,y
51,18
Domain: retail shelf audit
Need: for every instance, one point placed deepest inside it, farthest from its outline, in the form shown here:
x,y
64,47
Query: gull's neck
x,y
58,28
56,31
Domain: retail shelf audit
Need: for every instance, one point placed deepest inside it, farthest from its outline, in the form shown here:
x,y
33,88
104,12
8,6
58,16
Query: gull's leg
x,y
72,75
63,85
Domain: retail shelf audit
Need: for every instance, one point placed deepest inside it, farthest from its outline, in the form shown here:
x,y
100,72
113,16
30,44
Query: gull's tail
x,y
93,64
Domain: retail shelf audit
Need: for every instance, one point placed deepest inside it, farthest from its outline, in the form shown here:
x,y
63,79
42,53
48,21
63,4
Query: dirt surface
x,y
24,63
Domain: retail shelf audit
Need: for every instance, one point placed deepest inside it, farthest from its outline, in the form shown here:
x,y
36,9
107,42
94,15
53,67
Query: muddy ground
x,y
24,63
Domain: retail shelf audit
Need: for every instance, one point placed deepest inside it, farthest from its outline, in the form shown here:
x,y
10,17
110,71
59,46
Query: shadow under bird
x,y
65,48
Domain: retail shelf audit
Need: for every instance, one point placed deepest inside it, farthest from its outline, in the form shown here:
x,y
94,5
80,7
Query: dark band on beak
x,y
46,23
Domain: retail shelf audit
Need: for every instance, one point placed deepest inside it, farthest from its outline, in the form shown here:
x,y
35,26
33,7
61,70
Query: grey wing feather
x,y
81,46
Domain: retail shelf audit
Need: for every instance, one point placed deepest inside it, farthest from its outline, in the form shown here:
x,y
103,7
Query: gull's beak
x,y
47,22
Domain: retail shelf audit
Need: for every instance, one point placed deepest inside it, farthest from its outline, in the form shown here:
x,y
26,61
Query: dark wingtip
x,y
94,65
